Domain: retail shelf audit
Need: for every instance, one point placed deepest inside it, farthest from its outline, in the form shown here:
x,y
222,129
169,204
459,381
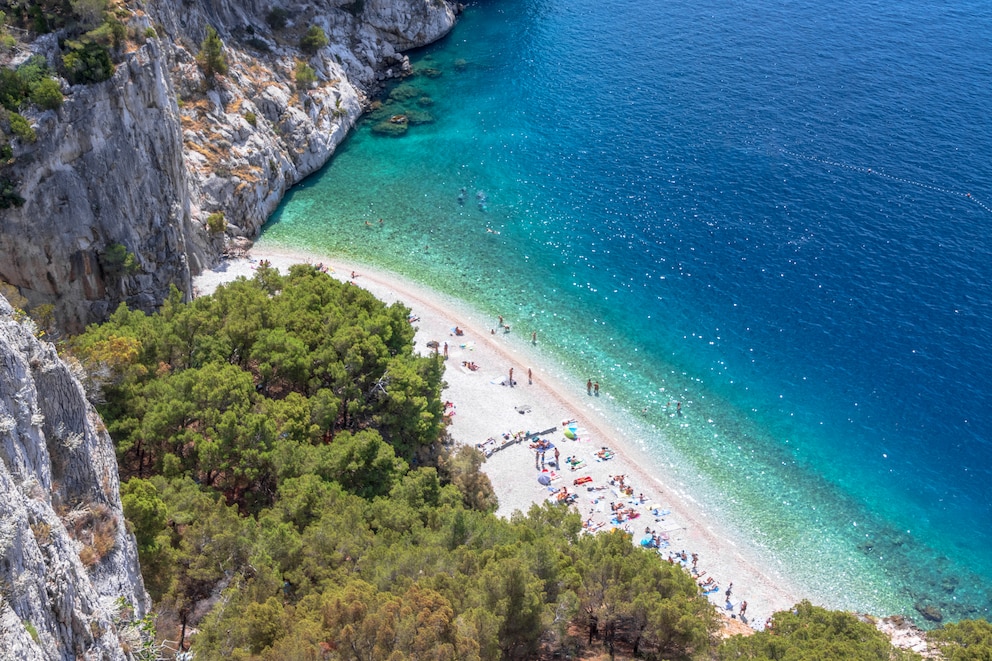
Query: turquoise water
x,y
775,213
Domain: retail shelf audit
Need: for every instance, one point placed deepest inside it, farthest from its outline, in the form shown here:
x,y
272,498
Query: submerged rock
x,y
929,612
416,117
389,128
430,72
405,93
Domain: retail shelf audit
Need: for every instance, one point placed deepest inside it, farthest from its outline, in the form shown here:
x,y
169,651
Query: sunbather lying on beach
x,y
471,365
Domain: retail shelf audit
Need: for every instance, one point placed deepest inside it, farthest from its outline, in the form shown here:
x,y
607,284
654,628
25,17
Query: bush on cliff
x,y
47,94
305,75
87,63
30,81
314,39
20,127
211,57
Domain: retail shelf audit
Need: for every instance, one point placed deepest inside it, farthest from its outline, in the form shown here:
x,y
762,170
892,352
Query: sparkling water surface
x,y
774,212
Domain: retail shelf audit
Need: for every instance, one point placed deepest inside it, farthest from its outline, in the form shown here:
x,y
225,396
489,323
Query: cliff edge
x,y
70,585
139,182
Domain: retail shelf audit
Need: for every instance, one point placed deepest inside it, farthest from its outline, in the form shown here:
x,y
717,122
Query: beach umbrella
x,y
544,479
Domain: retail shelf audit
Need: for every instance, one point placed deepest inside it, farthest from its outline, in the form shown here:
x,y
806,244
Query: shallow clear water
x,y
773,212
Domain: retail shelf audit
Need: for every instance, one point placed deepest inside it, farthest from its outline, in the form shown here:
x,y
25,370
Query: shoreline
x,y
486,409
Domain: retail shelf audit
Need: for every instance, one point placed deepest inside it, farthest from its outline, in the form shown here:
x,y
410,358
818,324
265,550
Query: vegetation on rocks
x,y
286,478
304,75
211,57
314,39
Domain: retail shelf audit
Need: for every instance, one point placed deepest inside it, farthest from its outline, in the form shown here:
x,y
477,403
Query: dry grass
x,y
95,527
42,533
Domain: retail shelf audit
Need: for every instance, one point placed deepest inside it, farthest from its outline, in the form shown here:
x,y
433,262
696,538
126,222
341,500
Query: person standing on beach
x,y
533,337
589,387
743,608
530,377
729,588
446,351
595,388
557,465
511,377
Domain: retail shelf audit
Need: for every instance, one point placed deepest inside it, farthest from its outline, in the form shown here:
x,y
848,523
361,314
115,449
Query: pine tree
x,y
212,58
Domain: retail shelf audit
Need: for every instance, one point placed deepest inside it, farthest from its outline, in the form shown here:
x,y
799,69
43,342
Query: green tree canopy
x,y
314,39
211,57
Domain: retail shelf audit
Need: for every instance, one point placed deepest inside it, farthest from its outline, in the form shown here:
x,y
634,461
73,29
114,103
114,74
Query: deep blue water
x,y
774,212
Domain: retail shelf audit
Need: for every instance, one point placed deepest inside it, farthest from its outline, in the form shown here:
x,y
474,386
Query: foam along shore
x,y
505,420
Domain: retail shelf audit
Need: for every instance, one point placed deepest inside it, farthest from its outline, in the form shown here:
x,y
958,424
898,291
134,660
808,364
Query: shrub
x,y
118,260
216,222
21,128
313,40
8,195
90,12
258,44
33,70
87,63
355,8
46,94
250,118
211,57
11,89
305,75
150,33
277,18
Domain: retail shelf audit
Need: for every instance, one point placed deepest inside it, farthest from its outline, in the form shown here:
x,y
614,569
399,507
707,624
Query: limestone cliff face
x,y
107,168
143,160
69,578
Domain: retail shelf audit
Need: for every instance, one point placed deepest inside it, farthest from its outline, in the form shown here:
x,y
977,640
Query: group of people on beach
x,y
626,506
540,447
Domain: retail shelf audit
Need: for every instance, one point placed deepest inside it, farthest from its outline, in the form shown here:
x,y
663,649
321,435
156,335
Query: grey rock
x,y
124,162
70,585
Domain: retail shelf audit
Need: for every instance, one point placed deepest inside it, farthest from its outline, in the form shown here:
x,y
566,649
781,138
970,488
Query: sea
x,y
776,213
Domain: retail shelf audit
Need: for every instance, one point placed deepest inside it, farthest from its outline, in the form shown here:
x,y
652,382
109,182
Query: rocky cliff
x,y
172,168
70,587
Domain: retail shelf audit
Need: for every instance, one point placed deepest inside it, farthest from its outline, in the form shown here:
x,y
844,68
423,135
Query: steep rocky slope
x,y
143,160
69,580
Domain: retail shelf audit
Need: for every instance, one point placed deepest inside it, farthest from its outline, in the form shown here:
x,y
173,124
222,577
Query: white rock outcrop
x,y
177,168
70,586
